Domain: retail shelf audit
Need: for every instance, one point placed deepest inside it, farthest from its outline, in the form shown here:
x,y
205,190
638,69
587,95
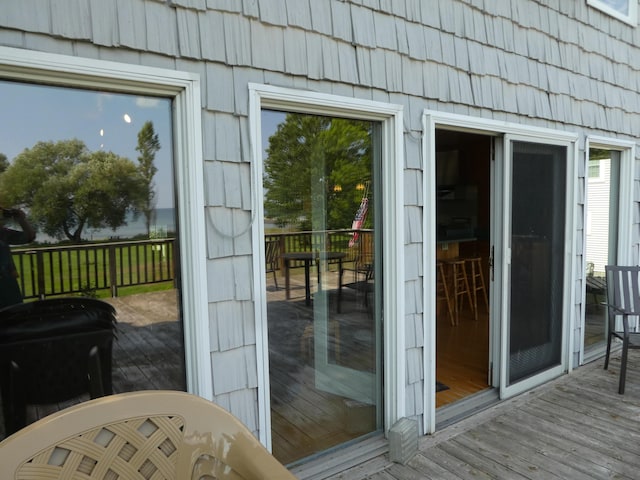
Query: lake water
x,y
164,224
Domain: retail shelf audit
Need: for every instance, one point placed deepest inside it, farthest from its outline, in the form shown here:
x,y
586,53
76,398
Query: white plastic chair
x,y
140,435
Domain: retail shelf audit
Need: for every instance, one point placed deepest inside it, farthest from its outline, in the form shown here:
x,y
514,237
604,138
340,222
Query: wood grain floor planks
x,y
574,427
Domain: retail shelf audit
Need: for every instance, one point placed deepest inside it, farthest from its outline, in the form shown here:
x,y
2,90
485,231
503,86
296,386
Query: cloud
x,y
147,102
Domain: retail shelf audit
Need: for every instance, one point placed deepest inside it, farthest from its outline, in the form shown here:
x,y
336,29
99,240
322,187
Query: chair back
x,y
139,435
52,351
272,254
623,290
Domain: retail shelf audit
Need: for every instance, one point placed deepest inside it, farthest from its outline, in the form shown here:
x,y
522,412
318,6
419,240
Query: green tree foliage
x,y
148,146
4,162
67,188
314,162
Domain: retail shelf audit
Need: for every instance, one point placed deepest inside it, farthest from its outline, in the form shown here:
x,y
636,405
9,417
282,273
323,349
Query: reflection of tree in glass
x,y
312,155
148,146
66,187
4,162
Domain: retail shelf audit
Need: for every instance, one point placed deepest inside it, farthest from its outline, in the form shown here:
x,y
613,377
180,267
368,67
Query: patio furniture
x,y
52,351
271,255
308,258
623,301
136,436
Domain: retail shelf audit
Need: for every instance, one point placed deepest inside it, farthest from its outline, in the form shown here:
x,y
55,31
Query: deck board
x,y
576,426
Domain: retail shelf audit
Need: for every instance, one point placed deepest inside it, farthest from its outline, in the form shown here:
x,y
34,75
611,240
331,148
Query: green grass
x,y
86,271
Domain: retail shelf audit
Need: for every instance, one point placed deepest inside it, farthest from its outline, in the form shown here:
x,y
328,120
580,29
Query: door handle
x,y
491,262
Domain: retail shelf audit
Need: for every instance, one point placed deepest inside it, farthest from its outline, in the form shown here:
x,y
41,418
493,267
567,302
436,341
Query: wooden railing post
x,y
40,274
113,276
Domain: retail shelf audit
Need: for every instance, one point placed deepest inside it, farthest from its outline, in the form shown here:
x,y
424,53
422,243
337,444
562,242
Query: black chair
x,y
52,351
623,301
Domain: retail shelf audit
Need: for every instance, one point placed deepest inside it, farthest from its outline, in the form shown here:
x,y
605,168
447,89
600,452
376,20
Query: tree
x,y
312,160
4,162
67,188
148,146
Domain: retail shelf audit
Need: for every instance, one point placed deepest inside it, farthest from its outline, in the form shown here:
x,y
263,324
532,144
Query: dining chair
x,y
141,435
623,302
272,258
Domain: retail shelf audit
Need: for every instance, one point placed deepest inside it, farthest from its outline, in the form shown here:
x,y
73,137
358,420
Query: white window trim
x,y
290,100
435,119
627,151
631,18
184,89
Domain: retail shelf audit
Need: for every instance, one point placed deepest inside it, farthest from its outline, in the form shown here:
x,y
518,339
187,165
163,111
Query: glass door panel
x,y
322,301
601,231
537,244
93,171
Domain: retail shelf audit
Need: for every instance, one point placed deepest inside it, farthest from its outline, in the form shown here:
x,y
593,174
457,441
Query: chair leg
x,y
606,357
96,386
623,365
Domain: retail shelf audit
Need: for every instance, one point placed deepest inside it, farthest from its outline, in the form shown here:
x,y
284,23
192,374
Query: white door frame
x,y
627,151
431,121
507,391
184,89
391,118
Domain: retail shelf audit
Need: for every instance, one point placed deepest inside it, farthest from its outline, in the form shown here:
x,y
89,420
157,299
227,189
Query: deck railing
x,y
332,240
61,270
84,269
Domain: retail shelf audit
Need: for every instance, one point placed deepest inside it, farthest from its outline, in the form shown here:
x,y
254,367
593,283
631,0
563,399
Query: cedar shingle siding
x,y
555,63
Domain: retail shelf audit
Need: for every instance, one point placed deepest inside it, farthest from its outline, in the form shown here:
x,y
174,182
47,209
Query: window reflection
x,y
601,239
320,234
93,172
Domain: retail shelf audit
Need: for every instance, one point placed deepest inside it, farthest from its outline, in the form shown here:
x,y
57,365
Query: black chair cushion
x,y
51,317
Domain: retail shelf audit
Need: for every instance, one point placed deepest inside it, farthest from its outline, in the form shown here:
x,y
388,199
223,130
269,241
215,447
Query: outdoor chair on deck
x,y
52,351
623,301
139,436
361,269
272,258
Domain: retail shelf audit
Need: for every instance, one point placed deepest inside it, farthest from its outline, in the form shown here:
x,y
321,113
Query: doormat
x,y
441,386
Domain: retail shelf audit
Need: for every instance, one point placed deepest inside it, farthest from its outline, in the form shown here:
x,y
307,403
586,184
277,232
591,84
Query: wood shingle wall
x,y
553,63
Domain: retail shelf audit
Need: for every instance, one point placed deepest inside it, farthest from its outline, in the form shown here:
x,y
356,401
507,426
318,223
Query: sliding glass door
x,y
535,239
323,292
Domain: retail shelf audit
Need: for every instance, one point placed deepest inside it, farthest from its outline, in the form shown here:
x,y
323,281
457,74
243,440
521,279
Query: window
x,y
176,97
594,169
313,232
625,10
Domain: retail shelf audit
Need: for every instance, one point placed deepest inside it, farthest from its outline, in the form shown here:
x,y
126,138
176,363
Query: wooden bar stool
x,y
442,289
460,286
477,283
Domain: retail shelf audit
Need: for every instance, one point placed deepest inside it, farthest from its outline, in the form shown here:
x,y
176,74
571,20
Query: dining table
x,y
308,257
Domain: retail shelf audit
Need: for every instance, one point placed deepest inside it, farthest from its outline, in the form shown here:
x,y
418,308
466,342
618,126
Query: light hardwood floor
x,y
462,356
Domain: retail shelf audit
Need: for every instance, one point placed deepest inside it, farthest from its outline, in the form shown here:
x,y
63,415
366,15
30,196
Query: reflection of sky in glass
x,y
270,121
621,6
33,113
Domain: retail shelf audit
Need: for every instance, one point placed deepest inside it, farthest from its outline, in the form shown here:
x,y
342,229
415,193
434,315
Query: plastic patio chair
x,y
623,301
52,351
139,435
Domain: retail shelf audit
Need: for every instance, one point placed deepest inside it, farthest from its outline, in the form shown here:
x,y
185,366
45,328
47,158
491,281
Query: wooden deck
x,y
575,427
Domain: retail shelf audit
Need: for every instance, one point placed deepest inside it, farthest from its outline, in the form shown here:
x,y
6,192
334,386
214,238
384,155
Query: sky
x,y
31,113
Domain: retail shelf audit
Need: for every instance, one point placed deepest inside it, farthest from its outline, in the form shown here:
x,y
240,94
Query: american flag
x,y
358,221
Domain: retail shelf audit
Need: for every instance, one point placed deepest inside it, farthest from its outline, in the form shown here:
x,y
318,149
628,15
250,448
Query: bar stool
x,y
442,289
477,283
460,286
